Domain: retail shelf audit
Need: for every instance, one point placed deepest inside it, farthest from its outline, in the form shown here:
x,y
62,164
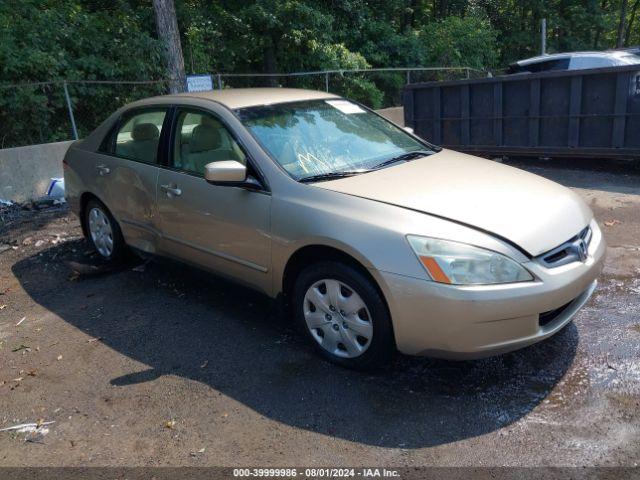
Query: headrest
x,y
205,137
145,131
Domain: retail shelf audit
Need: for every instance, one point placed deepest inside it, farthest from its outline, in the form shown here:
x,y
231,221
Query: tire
x,y
357,332
103,232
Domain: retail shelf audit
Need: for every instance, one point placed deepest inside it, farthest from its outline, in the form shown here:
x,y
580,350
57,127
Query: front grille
x,y
573,250
546,318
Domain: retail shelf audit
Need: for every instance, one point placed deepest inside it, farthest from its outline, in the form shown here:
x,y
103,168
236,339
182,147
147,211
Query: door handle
x,y
171,191
103,169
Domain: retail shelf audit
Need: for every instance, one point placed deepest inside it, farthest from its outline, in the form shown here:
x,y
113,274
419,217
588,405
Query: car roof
x,y
556,56
250,97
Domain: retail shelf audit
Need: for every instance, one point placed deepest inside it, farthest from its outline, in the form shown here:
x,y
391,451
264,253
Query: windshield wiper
x,y
403,158
350,173
331,175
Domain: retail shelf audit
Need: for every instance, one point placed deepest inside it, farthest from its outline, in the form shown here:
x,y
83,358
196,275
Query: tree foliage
x,y
45,40
55,39
50,39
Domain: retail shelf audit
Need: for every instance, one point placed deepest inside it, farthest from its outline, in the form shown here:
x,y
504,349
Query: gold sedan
x,y
375,239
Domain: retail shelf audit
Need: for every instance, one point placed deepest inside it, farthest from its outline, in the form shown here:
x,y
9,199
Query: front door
x,y
223,228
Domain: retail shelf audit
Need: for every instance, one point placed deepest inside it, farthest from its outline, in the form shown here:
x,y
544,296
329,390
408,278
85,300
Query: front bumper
x,y
462,322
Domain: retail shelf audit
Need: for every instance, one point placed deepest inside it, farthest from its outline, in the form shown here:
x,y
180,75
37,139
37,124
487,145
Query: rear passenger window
x,y
139,137
552,65
201,139
546,66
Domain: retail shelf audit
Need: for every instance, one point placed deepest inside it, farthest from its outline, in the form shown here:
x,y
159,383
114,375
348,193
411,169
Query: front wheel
x,y
343,315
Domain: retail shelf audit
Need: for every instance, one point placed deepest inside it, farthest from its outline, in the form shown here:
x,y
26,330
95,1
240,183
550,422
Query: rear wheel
x,y
343,315
103,232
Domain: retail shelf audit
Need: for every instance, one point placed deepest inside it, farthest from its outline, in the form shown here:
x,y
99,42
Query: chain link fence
x,y
44,112
34,113
375,87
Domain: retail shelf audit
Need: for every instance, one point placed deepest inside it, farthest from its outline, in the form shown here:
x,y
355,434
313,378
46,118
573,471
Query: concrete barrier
x,y
25,172
395,114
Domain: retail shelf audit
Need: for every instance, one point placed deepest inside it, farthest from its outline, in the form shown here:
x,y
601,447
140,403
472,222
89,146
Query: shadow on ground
x,y
173,318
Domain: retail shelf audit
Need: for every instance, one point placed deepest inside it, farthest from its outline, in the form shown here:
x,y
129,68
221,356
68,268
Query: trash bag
x,y
56,189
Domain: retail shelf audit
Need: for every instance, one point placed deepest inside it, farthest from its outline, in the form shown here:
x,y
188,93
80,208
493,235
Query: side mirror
x,y
408,129
226,171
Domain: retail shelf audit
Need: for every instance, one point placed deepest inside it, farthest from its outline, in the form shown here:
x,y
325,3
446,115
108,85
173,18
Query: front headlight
x,y
462,264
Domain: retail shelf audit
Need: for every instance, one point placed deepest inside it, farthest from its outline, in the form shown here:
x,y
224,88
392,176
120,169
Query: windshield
x,y
319,137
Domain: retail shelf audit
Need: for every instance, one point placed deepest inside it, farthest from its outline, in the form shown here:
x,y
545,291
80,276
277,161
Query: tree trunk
x,y
634,11
412,15
596,39
622,23
270,62
168,32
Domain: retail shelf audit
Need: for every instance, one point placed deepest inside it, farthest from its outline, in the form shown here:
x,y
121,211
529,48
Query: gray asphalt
x,y
172,366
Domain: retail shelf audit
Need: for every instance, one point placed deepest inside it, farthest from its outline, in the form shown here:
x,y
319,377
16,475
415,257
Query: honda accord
x,y
375,239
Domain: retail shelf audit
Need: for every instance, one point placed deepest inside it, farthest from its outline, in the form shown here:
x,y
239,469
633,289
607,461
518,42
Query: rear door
x,y
222,228
127,168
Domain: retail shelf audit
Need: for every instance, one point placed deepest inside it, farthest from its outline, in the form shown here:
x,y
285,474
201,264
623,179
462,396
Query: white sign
x,y
199,83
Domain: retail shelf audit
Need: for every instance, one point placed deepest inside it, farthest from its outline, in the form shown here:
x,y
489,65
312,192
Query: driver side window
x,y
201,139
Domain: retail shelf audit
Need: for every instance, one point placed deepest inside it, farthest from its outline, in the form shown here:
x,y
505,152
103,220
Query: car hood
x,y
534,213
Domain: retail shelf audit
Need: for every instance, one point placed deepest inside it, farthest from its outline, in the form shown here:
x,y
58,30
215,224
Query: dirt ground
x,y
159,364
